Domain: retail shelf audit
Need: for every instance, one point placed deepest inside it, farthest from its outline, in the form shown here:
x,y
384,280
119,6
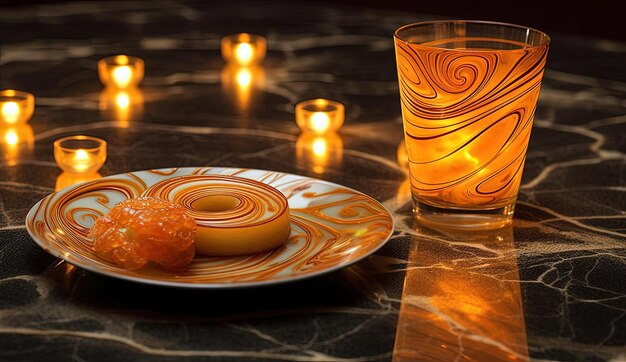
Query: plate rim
x,y
31,214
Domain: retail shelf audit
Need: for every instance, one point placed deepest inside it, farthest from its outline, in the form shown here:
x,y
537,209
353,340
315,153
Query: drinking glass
x,y
468,92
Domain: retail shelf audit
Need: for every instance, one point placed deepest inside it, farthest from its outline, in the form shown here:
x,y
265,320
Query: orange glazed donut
x,y
234,215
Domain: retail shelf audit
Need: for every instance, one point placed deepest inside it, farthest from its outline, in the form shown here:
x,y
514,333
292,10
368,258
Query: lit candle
x,y
121,71
80,154
16,142
244,48
320,116
16,107
319,152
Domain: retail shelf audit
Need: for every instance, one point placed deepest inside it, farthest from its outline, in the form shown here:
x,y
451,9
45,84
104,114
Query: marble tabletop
x,y
550,287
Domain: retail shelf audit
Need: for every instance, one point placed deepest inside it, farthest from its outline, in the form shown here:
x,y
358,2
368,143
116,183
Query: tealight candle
x,y
16,107
320,116
244,48
80,154
121,71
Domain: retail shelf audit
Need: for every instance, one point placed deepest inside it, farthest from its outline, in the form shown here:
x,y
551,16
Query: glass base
x,y
465,219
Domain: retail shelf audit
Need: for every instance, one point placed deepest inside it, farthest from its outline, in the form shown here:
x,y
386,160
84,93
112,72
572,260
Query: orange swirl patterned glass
x,y
468,92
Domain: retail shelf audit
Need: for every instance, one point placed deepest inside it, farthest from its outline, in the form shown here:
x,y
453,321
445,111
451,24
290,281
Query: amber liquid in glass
x,y
468,105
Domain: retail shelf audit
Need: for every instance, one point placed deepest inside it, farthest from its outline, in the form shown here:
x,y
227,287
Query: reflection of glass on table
x,y
462,302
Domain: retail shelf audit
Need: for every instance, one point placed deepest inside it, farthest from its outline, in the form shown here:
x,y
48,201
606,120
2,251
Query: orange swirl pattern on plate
x,y
255,217
467,117
331,227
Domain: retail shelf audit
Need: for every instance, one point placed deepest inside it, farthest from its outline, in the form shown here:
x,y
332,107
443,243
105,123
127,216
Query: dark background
x,y
596,18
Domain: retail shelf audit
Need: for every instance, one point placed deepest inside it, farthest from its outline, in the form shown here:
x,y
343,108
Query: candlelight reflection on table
x,y
319,153
402,156
16,107
66,179
462,305
122,105
80,154
242,83
121,71
320,116
16,142
244,49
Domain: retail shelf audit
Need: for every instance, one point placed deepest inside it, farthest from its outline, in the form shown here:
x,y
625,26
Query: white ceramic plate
x,y
332,227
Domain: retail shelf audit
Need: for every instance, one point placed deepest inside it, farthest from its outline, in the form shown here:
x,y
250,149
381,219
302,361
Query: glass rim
x,y
313,102
100,143
20,96
110,61
480,22
253,38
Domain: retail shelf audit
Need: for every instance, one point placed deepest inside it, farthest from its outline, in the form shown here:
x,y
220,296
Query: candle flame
x,y
10,112
320,122
81,155
122,76
244,53
82,160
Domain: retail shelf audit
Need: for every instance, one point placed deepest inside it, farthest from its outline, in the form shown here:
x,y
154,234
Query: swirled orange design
x,y
257,220
331,227
467,119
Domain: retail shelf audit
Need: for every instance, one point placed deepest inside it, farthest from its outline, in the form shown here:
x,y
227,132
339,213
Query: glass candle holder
x,y
16,107
121,71
244,48
320,116
80,154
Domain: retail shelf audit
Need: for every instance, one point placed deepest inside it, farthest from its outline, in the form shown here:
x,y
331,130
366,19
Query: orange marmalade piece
x,y
142,230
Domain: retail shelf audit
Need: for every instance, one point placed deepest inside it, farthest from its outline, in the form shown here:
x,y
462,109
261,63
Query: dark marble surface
x,y
551,287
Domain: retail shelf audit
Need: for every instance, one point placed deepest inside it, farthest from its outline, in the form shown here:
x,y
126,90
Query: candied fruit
x,y
145,230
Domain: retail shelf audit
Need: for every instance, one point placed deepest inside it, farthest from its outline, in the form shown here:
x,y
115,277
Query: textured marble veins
x,y
551,287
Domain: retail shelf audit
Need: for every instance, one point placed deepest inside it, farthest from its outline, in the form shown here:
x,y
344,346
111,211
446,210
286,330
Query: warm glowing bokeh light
x,y
319,146
10,112
80,154
319,116
244,77
11,138
320,122
122,100
122,76
121,59
244,53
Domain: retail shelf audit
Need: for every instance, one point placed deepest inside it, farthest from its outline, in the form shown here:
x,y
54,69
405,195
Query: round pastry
x,y
234,215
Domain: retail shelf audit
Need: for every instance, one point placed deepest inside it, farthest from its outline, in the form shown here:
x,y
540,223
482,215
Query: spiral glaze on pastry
x,y
234,215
